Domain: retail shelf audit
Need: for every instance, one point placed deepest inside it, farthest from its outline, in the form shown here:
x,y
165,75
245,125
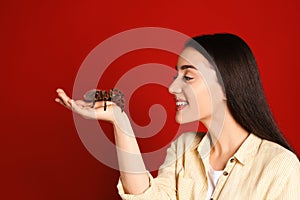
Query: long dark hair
x,y
238,72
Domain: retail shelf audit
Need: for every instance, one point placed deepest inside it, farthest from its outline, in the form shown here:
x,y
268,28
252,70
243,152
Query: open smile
x,y
180,104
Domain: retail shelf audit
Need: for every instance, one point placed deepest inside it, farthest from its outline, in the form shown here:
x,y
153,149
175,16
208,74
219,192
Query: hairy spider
x,y
114,95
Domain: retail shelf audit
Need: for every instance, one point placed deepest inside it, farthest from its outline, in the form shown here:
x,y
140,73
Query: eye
x,y
187,78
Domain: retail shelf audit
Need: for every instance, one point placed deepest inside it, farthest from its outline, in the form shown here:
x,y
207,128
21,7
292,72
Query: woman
x,y
243,155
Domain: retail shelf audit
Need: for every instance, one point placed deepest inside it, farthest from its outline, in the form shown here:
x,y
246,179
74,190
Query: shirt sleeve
x,y
289,186
161,187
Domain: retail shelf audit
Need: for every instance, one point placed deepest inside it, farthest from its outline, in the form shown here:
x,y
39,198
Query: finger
x,y
75,107
58,100
86,112
59,90
82,103
63,96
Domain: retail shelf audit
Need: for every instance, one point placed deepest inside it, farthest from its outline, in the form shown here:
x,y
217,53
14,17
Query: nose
x,y
175,88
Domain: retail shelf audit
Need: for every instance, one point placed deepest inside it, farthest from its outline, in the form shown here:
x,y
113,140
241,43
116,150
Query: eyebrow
x,y
183,67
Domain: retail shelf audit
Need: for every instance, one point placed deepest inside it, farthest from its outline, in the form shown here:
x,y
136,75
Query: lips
x,y
180,104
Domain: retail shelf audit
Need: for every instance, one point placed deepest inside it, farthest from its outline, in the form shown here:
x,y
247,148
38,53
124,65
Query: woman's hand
x,y
134,177
84,108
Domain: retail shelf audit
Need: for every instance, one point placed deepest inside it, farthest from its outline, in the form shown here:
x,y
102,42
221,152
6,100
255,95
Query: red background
x,y
43,44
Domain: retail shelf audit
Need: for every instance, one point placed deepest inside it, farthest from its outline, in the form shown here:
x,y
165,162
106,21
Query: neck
x,y
227,136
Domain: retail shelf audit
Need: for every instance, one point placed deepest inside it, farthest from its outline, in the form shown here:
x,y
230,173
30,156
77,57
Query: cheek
x,y
203,100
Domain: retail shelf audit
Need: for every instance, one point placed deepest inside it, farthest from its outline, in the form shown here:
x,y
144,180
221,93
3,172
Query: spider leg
x,y
93,104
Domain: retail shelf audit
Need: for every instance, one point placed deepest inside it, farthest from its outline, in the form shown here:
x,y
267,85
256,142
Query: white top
x,y
212,177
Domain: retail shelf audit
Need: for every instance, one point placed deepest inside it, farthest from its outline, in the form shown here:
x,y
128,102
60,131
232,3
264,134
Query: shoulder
x,y
275,150
180,146
275,156
278,170
185,142
188,140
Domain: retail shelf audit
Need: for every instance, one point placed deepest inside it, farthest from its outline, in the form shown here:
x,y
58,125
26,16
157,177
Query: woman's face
x,y
194,86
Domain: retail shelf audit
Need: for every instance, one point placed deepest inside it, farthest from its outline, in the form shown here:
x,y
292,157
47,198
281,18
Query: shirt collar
x,y
246,151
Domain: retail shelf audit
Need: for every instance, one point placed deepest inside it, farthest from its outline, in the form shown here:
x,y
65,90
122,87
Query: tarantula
x,y
113,95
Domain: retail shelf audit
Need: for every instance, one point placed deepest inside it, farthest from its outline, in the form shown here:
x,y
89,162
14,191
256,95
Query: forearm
x,y
133,173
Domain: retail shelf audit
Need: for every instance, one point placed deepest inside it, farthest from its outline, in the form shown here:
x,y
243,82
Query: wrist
x,y
122,124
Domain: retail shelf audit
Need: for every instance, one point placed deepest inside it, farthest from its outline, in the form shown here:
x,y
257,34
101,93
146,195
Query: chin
x,y
183,119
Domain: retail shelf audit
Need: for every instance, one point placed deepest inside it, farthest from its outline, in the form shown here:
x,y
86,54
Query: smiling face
x,y
194,86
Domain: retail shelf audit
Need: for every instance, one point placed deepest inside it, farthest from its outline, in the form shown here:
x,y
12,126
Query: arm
x,y
285,173
163,186
290,186
134,179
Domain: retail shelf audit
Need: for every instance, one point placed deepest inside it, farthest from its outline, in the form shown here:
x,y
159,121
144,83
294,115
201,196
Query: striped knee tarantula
x,y
113,95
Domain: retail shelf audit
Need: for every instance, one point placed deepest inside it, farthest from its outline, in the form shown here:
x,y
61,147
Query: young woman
x,y
242,156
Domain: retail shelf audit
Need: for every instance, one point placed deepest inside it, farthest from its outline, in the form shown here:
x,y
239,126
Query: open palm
x,y
86,110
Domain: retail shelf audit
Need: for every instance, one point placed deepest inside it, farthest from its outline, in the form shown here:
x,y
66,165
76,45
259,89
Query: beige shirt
x,y
260,169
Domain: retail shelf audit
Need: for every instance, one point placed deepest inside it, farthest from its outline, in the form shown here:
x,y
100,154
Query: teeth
x,y
181,103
